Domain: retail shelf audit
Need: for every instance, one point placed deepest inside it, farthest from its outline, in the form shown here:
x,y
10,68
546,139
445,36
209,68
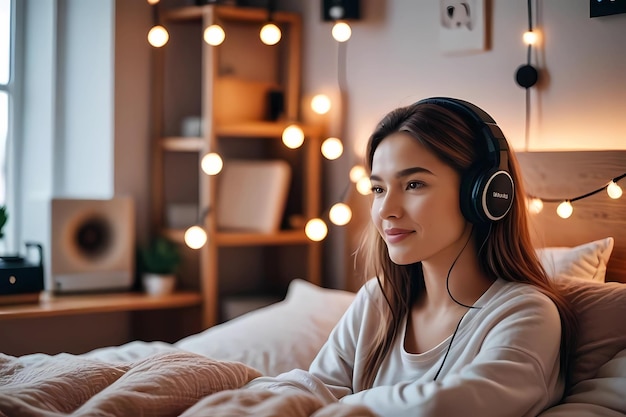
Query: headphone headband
x,y
482,123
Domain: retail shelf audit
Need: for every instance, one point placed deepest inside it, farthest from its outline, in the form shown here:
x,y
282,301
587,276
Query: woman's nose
x,y
390,206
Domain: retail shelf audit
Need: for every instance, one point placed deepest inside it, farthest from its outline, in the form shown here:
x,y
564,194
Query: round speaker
x,y
93,237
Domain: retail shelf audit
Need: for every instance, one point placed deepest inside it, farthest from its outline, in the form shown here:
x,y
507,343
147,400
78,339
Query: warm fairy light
x,y
293,136
357,172
535,205
320,104
212,163
530,37
364,186
270,34
341,31
214,35
332,148
565,209
340,214
152,2
158,36
316,229
613,190
195,237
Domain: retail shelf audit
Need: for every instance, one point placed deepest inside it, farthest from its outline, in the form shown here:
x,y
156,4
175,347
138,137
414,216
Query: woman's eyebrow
x,y
413,170
405,172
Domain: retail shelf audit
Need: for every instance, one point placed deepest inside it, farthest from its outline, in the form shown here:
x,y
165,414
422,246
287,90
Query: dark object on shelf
x,y
20,277
598,8
275,105
340,10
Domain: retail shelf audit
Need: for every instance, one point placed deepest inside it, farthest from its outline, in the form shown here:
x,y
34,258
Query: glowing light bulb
x,y
340,214
293,136
316,229
534,205
195,237
332,148
356,173
214,35
530,37
152,2
564,210
212,163
158,36
320,104
613,190
364,186
341,31
270,34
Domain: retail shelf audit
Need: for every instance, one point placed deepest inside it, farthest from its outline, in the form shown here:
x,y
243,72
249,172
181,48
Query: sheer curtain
x,y
6,110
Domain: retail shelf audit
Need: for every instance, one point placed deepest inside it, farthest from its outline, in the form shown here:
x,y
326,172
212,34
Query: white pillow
x,y
587,261
277,338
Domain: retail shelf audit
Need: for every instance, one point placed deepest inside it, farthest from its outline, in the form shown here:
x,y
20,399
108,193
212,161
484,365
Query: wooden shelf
x,y
287,237
226,12
250,130
64,305
183,144
283,237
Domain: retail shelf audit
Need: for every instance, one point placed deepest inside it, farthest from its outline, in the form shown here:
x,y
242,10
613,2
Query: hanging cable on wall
x,y
527,75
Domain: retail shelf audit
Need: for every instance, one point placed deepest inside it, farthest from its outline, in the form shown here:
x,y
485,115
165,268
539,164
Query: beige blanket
x,y
164,384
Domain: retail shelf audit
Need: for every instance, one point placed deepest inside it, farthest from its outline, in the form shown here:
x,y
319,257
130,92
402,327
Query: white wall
x,y
394,58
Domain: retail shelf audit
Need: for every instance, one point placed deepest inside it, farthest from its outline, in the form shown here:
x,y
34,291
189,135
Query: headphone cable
x,y
458,325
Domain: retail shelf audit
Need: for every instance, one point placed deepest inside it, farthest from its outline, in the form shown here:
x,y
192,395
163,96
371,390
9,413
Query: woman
x,y
461,318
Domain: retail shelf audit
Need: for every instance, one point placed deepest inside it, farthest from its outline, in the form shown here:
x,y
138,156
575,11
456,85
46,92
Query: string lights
x,y
565,209
270,33
214,34
158,35
292,137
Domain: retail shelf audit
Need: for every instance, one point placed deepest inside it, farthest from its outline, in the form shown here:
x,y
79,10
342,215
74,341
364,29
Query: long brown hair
x,y
507,251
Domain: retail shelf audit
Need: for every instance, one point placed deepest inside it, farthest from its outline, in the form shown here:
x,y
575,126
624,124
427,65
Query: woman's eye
x,y
413,185
376,189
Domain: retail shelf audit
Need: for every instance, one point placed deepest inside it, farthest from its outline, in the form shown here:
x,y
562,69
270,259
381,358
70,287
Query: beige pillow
x,y
277,338
587,261
601,309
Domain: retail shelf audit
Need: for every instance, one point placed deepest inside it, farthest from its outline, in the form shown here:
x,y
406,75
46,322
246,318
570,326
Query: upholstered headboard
x,y
557,175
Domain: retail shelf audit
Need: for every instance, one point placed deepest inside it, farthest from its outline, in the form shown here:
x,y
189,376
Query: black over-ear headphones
x,y
487,188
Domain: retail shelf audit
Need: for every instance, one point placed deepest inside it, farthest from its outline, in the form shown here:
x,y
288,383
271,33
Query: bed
x,y
201,374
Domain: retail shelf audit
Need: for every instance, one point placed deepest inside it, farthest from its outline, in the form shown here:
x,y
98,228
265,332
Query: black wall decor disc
x,y
526,76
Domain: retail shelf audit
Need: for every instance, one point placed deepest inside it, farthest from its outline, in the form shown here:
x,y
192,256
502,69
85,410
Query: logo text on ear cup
x,y
504,196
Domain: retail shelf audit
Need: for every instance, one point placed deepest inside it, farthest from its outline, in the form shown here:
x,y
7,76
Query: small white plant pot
x,y
156,284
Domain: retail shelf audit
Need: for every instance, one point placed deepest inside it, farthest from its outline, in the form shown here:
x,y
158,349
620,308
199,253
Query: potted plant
x,y
159,262
4,216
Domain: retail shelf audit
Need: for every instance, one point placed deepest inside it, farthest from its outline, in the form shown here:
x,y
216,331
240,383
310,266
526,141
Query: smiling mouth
x,y
395,236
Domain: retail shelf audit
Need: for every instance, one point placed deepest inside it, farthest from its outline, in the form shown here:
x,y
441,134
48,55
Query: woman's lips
x,y
396,235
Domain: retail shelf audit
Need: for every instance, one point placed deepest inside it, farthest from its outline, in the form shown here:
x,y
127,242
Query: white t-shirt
x,y
504,360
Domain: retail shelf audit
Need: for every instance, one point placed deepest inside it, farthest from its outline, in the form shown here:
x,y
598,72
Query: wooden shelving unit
x,y
188,72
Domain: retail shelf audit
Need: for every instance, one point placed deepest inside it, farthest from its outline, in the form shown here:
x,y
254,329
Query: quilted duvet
x,y
164,384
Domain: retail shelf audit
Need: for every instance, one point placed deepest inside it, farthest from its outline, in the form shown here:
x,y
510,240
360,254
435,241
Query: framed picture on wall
x,y
462,26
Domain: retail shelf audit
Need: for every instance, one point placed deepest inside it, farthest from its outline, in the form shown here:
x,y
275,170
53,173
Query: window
x,y
5,90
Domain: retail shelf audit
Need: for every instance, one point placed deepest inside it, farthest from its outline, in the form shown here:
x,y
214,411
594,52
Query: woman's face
x,y
416,202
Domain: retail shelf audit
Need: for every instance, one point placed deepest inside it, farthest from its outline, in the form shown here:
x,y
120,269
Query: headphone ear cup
x,y
470,181
486,196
